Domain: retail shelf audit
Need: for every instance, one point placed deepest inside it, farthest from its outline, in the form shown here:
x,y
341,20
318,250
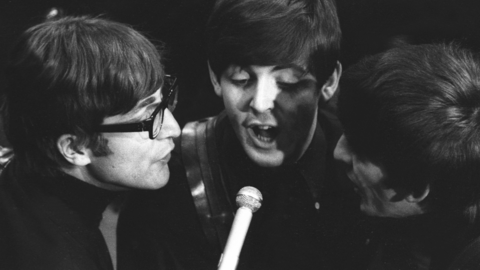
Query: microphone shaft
x,y
235,239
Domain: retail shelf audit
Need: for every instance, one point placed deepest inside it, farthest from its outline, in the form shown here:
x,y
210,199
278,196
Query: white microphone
x,y
249,200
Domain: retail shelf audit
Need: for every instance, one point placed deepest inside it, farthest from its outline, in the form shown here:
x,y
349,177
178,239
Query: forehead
x,y
264,49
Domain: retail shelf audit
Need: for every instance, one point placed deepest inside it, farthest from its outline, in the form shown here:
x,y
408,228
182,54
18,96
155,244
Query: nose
x,y
170,127
264,94
342,151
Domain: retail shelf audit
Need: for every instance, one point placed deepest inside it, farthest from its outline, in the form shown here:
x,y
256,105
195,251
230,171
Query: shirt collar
x,y
88,200
312,163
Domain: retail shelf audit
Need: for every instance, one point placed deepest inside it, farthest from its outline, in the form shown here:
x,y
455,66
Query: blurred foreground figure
x,y
275,65
412,148
85,112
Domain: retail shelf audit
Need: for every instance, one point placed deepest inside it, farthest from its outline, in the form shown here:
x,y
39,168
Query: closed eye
x,y
289,86
241,82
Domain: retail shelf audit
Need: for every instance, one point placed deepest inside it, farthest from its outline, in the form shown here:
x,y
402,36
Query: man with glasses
x,y
88,113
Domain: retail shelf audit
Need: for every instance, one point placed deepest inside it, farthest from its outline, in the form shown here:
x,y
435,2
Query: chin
x,y
268,159
375,212
157,181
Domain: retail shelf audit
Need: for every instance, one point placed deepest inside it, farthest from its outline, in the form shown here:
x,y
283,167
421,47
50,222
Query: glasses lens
x,y
172,99
157,123
170,88
170,93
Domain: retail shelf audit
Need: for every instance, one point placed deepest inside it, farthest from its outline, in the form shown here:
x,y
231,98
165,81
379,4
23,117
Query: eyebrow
x,y
298,68
148,102
145,102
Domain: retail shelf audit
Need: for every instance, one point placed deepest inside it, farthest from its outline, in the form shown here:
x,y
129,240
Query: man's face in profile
x,y
273,110
369,178
136,161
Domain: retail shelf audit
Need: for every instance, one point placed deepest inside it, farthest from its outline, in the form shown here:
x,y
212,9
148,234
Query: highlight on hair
x,y
66,75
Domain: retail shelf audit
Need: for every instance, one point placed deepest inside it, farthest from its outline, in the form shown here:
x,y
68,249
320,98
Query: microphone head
x,y
250,198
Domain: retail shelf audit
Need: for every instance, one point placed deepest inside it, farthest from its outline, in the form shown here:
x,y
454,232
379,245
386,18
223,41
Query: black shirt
x,y
51,222
309,219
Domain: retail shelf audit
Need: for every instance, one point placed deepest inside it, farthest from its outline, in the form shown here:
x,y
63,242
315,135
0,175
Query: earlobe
x,y
330,87
215,82
71,152
418,197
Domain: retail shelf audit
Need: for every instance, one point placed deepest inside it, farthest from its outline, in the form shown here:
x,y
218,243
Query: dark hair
x,y
416,111
66,75
274,32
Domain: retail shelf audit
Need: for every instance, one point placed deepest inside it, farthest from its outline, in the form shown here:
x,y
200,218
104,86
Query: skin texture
x,y
369,179
135,160
273,110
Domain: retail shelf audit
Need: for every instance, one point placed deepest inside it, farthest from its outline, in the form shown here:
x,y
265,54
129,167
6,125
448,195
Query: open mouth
x,y
265,133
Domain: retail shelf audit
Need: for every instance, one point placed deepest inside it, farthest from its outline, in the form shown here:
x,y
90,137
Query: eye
x,y
240,78
150,110
241,83
287,86
288,79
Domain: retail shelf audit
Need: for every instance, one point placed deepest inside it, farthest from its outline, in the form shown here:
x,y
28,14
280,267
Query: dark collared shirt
x,y
309,218
305,210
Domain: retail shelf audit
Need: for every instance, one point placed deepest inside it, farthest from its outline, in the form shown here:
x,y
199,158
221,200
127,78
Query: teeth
x,y
264,139
264,133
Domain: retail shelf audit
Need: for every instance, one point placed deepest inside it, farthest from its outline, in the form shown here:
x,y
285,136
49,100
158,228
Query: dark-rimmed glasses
x,y
154,123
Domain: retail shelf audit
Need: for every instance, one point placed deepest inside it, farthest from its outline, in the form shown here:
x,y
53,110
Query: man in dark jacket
x,y
85,112
275,65
412,148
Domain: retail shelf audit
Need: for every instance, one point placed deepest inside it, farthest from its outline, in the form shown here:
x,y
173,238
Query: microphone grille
x,y
249,197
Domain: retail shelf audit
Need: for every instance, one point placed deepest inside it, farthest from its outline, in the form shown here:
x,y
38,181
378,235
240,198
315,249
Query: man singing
x,y
275,65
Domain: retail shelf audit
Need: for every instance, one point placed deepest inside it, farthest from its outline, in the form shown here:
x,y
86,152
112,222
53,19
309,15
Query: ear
x,y
418,197
214,80
330,87
72,153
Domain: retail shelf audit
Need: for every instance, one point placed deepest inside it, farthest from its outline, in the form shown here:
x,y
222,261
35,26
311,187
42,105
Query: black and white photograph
x,y
239,135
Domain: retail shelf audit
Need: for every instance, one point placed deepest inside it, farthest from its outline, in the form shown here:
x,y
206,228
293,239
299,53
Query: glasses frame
x,y
147,124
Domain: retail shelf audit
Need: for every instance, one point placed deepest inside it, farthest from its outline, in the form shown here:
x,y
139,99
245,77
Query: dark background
x,y
369,26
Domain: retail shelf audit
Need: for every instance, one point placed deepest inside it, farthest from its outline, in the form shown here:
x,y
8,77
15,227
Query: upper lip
x,y
264,119
167,153
258,124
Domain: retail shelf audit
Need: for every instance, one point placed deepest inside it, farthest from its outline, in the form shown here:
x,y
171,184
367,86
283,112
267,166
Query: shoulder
x,y
34,225
469,257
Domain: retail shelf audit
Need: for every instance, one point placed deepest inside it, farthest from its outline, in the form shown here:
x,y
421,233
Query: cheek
x,y
236,105
232,96
134,169
130,155
230,106
297,113
376,194
367,176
